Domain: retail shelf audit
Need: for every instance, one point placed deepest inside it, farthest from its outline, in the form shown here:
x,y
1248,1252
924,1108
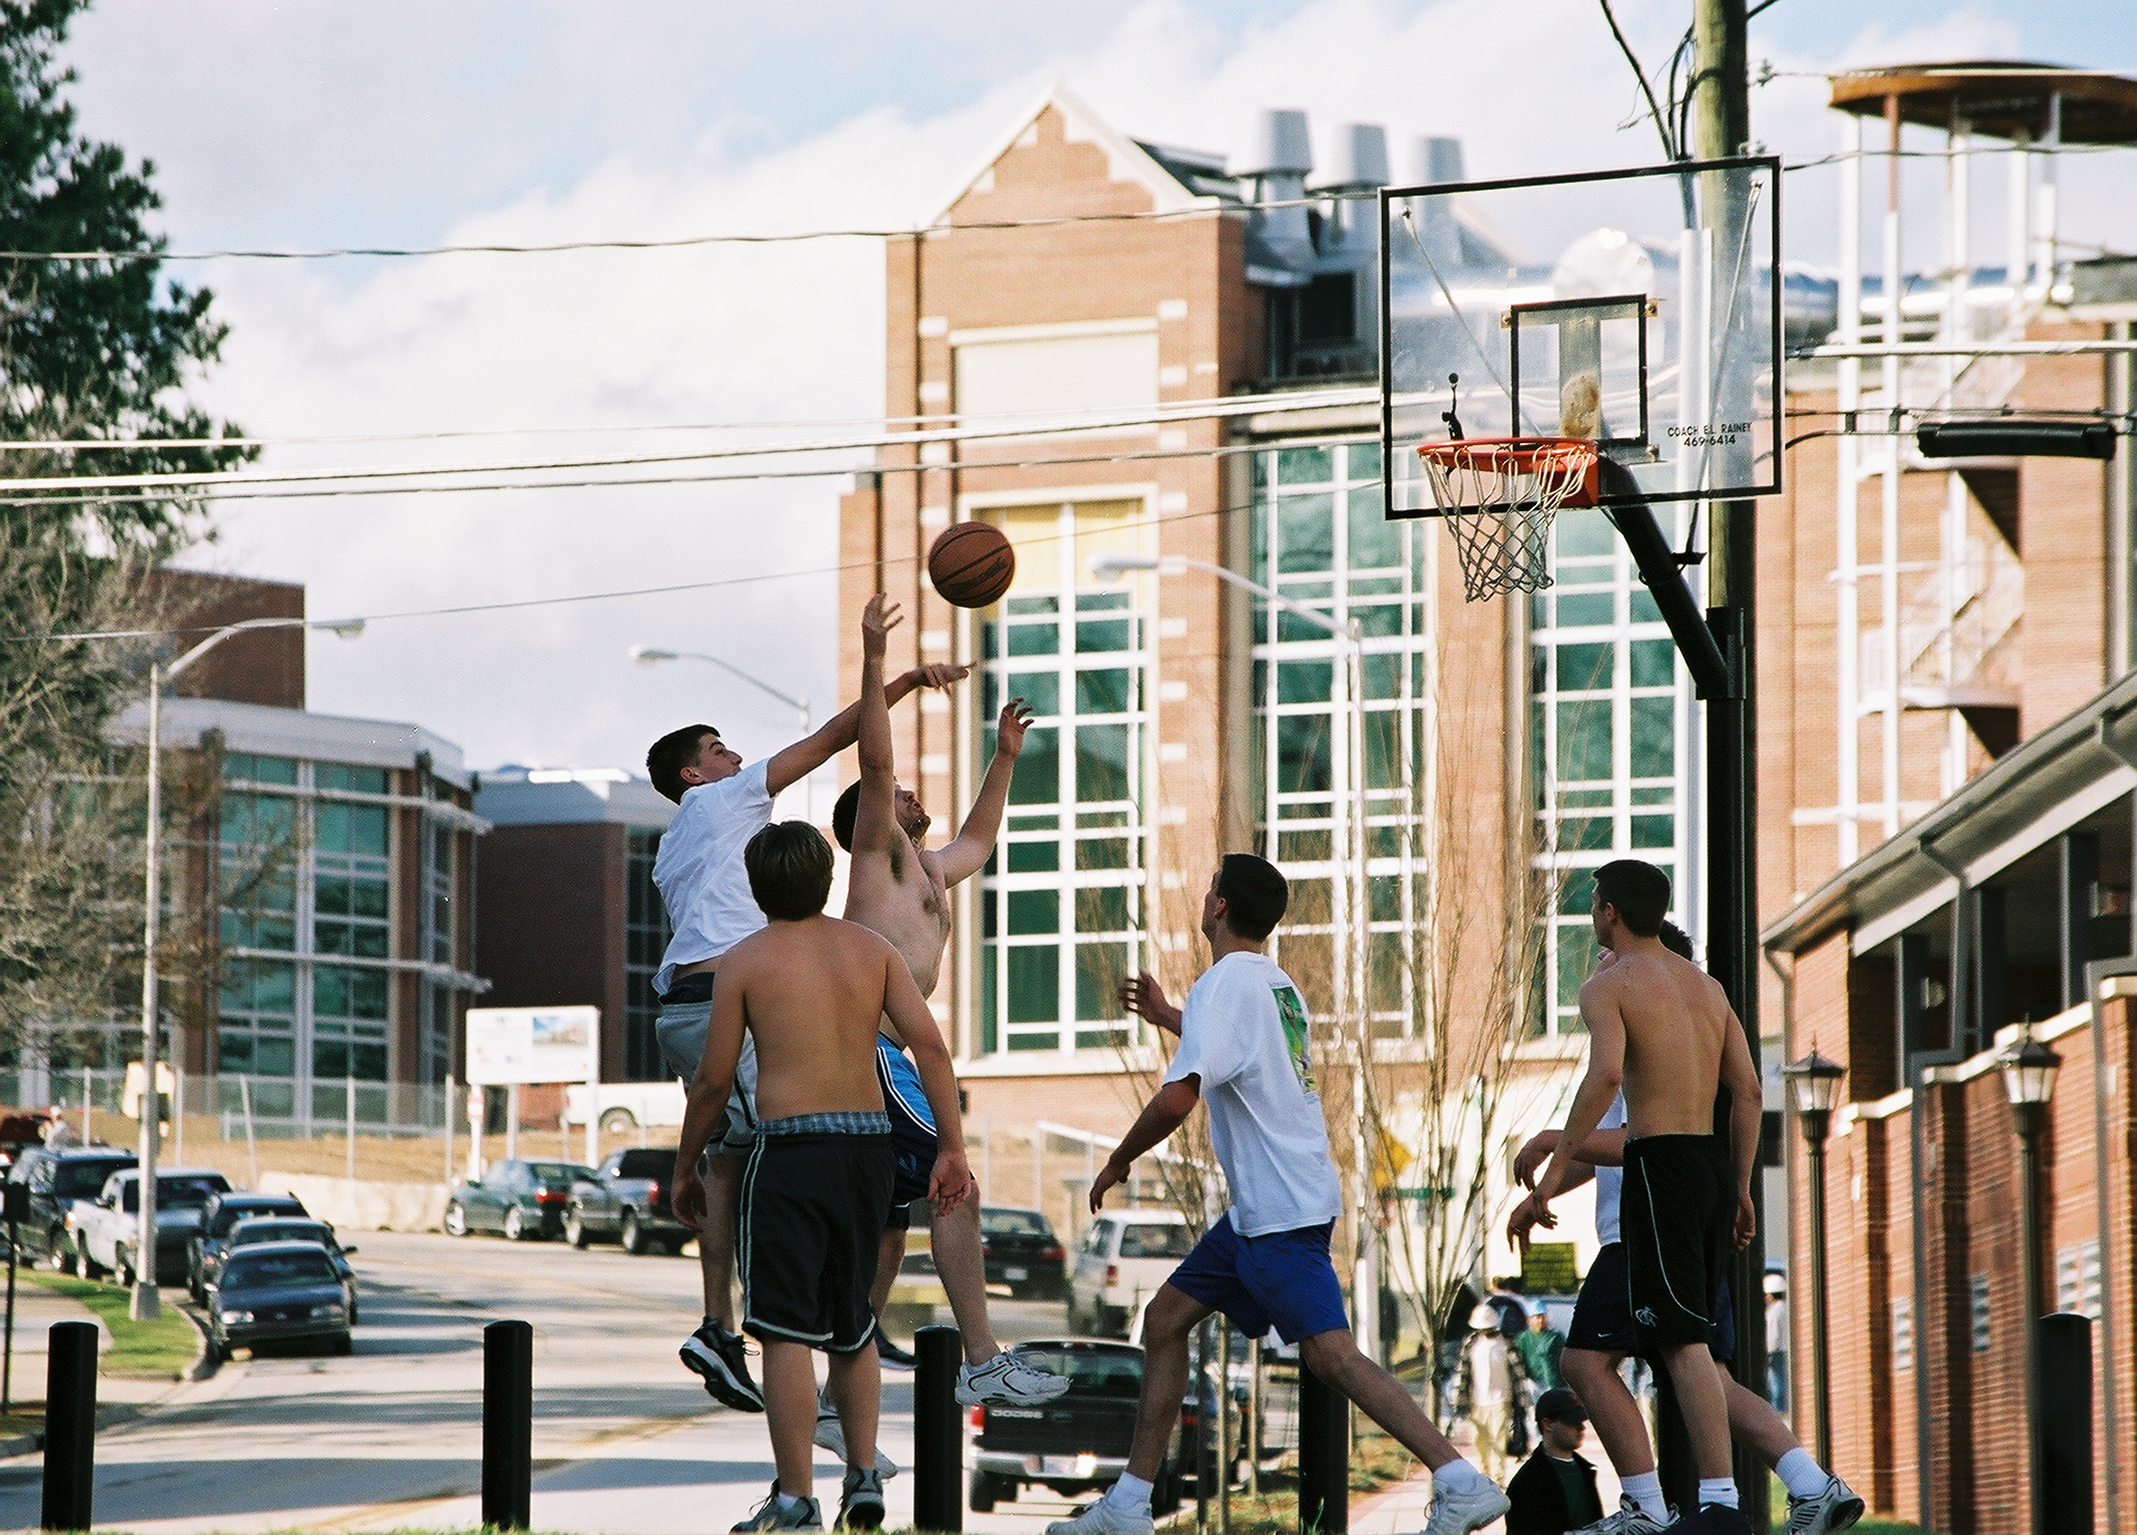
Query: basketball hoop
x,y
1500,494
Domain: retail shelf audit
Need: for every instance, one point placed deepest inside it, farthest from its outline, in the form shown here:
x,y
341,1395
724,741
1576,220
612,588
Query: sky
x,y
394,123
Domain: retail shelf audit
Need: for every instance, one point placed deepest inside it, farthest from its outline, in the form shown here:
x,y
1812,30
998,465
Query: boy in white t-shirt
x,y
1243,1050
705,889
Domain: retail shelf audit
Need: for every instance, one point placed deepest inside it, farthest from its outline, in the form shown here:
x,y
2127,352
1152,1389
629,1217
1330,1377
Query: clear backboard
x,y
1638,310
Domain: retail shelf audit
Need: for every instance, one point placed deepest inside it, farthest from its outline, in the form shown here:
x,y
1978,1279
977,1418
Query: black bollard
x,y
1324,1456
70,1426
2065,1428
507,1425
938,1436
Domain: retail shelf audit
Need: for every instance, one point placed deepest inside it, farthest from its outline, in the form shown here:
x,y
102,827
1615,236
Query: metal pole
x,y
2032,1119
938,1437
7,1360
146,1304
70,1426
511,1121
88,1110
1324,1456
1224,1426
448,1128
348,1113
507,1424
2065,1438
1254,1418
1814,1130
178,1091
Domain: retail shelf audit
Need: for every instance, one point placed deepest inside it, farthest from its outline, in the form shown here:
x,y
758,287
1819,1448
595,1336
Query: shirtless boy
x,y
1265,1263
1661,1030
724,802
1603,1335
808,991
900,889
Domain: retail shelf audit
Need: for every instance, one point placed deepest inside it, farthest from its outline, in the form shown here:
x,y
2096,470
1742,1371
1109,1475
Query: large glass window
x,y
645,940
1061,902
1607,710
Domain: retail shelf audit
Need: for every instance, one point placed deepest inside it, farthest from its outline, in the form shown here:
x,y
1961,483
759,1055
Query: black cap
x,y
1558,1405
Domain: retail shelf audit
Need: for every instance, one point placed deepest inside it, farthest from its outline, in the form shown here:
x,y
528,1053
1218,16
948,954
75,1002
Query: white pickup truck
x,y
107,1233
623,1107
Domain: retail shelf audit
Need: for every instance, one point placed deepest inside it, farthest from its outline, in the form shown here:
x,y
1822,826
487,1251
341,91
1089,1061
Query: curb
x,y
207,1361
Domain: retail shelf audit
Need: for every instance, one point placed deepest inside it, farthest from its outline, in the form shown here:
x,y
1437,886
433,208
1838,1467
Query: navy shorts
x,y
912,1131
1283,1280
1602,1317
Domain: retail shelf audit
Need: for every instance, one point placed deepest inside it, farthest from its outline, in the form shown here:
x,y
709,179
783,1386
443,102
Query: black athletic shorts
x,y
1602,1316
1677,1214
815,1195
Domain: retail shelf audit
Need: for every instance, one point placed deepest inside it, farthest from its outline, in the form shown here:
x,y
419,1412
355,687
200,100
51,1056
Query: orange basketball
x,y
972,564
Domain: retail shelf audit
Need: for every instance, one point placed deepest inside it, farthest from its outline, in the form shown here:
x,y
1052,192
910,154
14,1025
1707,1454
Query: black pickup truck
x,y
1078,1442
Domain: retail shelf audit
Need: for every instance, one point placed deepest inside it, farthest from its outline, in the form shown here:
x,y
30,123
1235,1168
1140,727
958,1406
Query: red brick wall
x,y
261,668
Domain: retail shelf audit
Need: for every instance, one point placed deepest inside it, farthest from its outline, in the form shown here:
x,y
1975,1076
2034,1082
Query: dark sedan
x,y
518,1199
1022,1252
279,1292
223,1212
254,1233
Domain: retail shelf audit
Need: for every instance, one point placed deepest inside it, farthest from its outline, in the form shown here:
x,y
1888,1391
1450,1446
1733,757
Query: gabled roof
x,y
1174,187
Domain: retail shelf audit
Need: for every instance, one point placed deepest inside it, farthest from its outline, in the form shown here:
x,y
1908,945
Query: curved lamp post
x,y
1815,1084
147,1302
649,655
2029,1069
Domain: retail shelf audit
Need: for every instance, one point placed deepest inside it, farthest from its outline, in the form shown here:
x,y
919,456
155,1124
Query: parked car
x,y
106,1232
1125,1256
1076,1443
223,1212
279,1228
277,1292
1022,1252
628,1202
519,1199
58,1181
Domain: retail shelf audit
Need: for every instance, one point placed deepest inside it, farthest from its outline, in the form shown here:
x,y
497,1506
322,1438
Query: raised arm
x,y
966,854
794,763
875,822
709,1091
951,1182
1746,1110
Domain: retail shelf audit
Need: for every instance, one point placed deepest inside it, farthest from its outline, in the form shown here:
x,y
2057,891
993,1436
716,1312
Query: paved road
x,y
625,1440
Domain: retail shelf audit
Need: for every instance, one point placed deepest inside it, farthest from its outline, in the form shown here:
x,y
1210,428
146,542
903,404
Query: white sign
x,y
533,1044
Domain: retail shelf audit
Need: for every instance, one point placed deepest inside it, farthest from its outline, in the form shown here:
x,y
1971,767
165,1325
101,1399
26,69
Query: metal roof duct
x,y
1280,249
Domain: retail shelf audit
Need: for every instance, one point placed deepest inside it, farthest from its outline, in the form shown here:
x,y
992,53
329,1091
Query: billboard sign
x,y
507,1045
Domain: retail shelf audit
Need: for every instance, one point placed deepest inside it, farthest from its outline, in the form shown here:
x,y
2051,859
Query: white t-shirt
x,y
699,868
1609,1181
1243,1031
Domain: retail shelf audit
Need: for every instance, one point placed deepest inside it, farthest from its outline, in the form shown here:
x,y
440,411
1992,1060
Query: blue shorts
x,y
1602,1316
1283,1280
912,1129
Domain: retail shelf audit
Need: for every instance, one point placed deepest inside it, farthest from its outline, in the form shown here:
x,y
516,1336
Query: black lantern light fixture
x,y
1814,1082
2029,1069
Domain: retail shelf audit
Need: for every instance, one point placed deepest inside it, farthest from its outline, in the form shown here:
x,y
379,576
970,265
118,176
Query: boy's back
x,y
812,993
1677,1023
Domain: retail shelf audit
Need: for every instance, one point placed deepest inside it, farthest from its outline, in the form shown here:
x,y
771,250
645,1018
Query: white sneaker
x,y
1104,1517
1006,1381
1630,1519
1457,1513
1833,1507
830,1436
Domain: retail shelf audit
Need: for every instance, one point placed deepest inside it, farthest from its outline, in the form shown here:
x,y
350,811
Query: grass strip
x,y
160,1350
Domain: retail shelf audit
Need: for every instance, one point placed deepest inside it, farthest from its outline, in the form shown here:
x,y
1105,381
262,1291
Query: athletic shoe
x,y
831,1436
717,1355
860,1504
1104,1517
804,1515
1457,1513
892,1356
1630,1519
1006,1381
1832,1507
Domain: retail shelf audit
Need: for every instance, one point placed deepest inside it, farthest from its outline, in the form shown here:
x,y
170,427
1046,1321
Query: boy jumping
x,y
1243,1047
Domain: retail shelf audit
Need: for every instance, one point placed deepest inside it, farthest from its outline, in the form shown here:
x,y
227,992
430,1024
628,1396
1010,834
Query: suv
x,y
57,1179
222,1212
1126,1255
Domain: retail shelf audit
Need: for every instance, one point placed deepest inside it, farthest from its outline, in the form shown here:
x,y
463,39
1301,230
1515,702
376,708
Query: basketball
x,y
972,564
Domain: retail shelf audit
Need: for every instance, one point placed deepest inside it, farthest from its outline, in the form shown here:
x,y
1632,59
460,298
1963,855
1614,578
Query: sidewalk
x,y
1404,1507
36,1310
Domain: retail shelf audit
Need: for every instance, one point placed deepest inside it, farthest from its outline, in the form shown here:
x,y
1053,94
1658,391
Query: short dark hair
x,y
667,757
845,813
1640,892
1677,941
1254,894
789,866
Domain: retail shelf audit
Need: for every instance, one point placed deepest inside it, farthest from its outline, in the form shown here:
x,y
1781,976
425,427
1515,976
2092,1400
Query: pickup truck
x,y
107,1232
628,1204
623,1107
59,1181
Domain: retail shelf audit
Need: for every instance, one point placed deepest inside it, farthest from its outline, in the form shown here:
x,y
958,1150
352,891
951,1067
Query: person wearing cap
x,y
1492,1399
1540,1346
1554,1491
1777,1342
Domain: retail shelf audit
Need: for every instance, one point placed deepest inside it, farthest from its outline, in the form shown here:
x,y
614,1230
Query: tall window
x,y
1061,901
645,939
1608,707
1322,540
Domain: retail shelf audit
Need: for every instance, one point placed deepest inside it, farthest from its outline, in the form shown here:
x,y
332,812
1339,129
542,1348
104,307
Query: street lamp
x,y
147,1302
1815,1082
1111,567
649,655
2029,1069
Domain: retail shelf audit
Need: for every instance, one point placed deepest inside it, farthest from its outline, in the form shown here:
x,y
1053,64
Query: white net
x,y
1500,498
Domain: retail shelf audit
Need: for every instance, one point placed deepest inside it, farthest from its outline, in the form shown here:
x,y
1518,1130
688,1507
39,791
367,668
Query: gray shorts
x,y
681,1032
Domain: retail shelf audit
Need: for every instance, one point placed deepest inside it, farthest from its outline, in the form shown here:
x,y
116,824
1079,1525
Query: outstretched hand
x,y
1532,1212
939,674
1108,1176
1141,995
1009,729
877,620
